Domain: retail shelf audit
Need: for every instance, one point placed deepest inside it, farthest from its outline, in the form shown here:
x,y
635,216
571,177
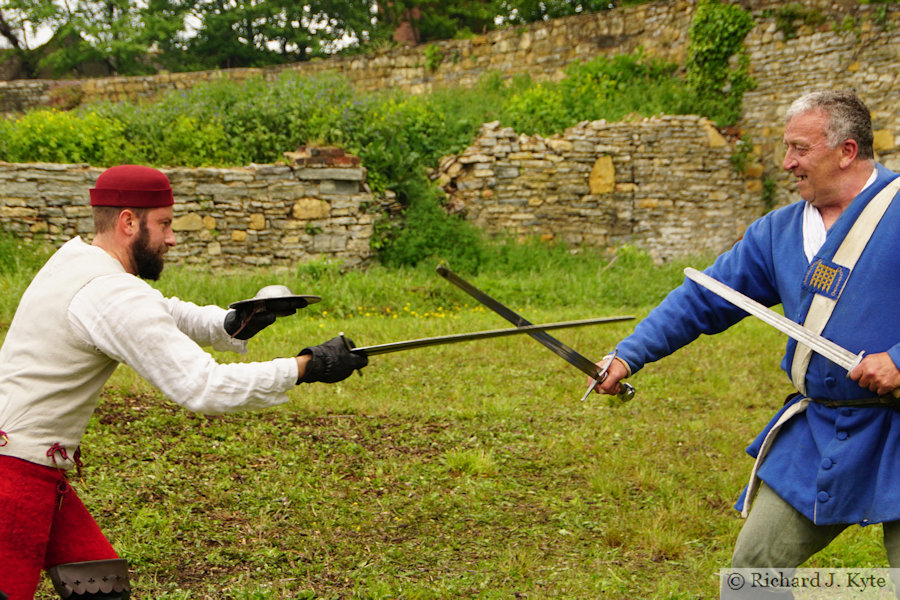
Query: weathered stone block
x,y
328,242
257,221
884,140
188,222
467,159
20,189
337,174
15,212
713,137
338,187
602,179
310,208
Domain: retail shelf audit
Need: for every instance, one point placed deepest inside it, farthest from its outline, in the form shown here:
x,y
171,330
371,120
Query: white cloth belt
x,y
753,486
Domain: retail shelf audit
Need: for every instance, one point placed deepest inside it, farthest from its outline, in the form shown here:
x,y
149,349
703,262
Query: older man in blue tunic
x,y
832,261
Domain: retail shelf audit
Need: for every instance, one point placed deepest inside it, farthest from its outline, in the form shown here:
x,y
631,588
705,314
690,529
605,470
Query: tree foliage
x,y
135,37
528,11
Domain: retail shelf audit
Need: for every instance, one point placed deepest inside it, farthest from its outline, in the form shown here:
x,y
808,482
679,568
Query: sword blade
x,y
830,350
574,358
478,335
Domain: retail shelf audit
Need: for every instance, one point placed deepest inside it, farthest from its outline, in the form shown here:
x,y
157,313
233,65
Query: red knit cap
x,y
132,186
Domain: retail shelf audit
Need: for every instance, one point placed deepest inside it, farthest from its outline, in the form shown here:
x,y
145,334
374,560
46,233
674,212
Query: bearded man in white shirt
x,y
87,310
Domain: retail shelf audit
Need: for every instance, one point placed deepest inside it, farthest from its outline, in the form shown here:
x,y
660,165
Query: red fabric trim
x,y
132,198
43,523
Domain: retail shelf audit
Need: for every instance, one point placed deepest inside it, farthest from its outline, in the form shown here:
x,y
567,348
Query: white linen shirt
x,y
79,318
160,338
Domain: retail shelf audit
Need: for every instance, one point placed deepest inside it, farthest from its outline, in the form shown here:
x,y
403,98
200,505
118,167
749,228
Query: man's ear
x,y
849,152
128,223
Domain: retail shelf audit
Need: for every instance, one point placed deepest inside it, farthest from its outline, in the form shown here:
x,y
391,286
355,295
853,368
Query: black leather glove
x,y
331,362
243,323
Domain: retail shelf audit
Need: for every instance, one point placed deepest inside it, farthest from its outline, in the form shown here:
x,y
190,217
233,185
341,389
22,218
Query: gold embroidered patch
x,y
826,278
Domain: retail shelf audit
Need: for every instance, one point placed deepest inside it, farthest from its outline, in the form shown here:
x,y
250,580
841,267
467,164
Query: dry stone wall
x,y
542,50
606,184
857,48
668,174
257,215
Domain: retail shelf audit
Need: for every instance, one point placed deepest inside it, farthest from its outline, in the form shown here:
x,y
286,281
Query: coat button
x,y
830,381
842,435
827,463
823,497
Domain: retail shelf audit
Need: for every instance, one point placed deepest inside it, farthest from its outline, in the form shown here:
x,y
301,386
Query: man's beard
x,y
148,263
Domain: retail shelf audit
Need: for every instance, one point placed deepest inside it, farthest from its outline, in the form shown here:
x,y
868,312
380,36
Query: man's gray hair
x,y
848,118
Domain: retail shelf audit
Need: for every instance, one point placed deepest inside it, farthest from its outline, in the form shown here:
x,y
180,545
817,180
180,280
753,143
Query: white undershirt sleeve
x,y
204,325
126,319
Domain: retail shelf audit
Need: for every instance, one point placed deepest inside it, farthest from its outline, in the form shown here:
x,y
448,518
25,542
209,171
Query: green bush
x,y
429,234
602,88
61,137
539,109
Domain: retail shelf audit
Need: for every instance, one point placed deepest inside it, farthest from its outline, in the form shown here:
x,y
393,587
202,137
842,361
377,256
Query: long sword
x,y
475,335
833,352
574,358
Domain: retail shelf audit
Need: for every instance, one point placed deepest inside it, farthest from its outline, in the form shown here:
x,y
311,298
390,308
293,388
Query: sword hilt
x,y
349,348
626,392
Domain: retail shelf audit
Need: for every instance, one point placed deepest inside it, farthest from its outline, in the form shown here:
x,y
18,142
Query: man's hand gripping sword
x,y
626,390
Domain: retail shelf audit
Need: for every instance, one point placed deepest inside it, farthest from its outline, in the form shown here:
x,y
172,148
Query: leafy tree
x,y
112,32
439,19
248,33
529,11
20,19
134,37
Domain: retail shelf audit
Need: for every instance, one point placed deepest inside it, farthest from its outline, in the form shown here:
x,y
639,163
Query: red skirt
x,y
43,523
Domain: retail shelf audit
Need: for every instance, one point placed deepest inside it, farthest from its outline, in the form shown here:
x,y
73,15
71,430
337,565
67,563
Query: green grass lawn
x,y
463,471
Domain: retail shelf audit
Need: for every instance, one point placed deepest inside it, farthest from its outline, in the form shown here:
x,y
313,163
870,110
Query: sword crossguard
x,y
346,341
859,358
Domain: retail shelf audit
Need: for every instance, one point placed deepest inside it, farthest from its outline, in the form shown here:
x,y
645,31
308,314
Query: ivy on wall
x,y
717,65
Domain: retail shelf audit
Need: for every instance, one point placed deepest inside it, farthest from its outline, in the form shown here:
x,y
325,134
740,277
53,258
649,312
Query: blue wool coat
x,y
834,465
